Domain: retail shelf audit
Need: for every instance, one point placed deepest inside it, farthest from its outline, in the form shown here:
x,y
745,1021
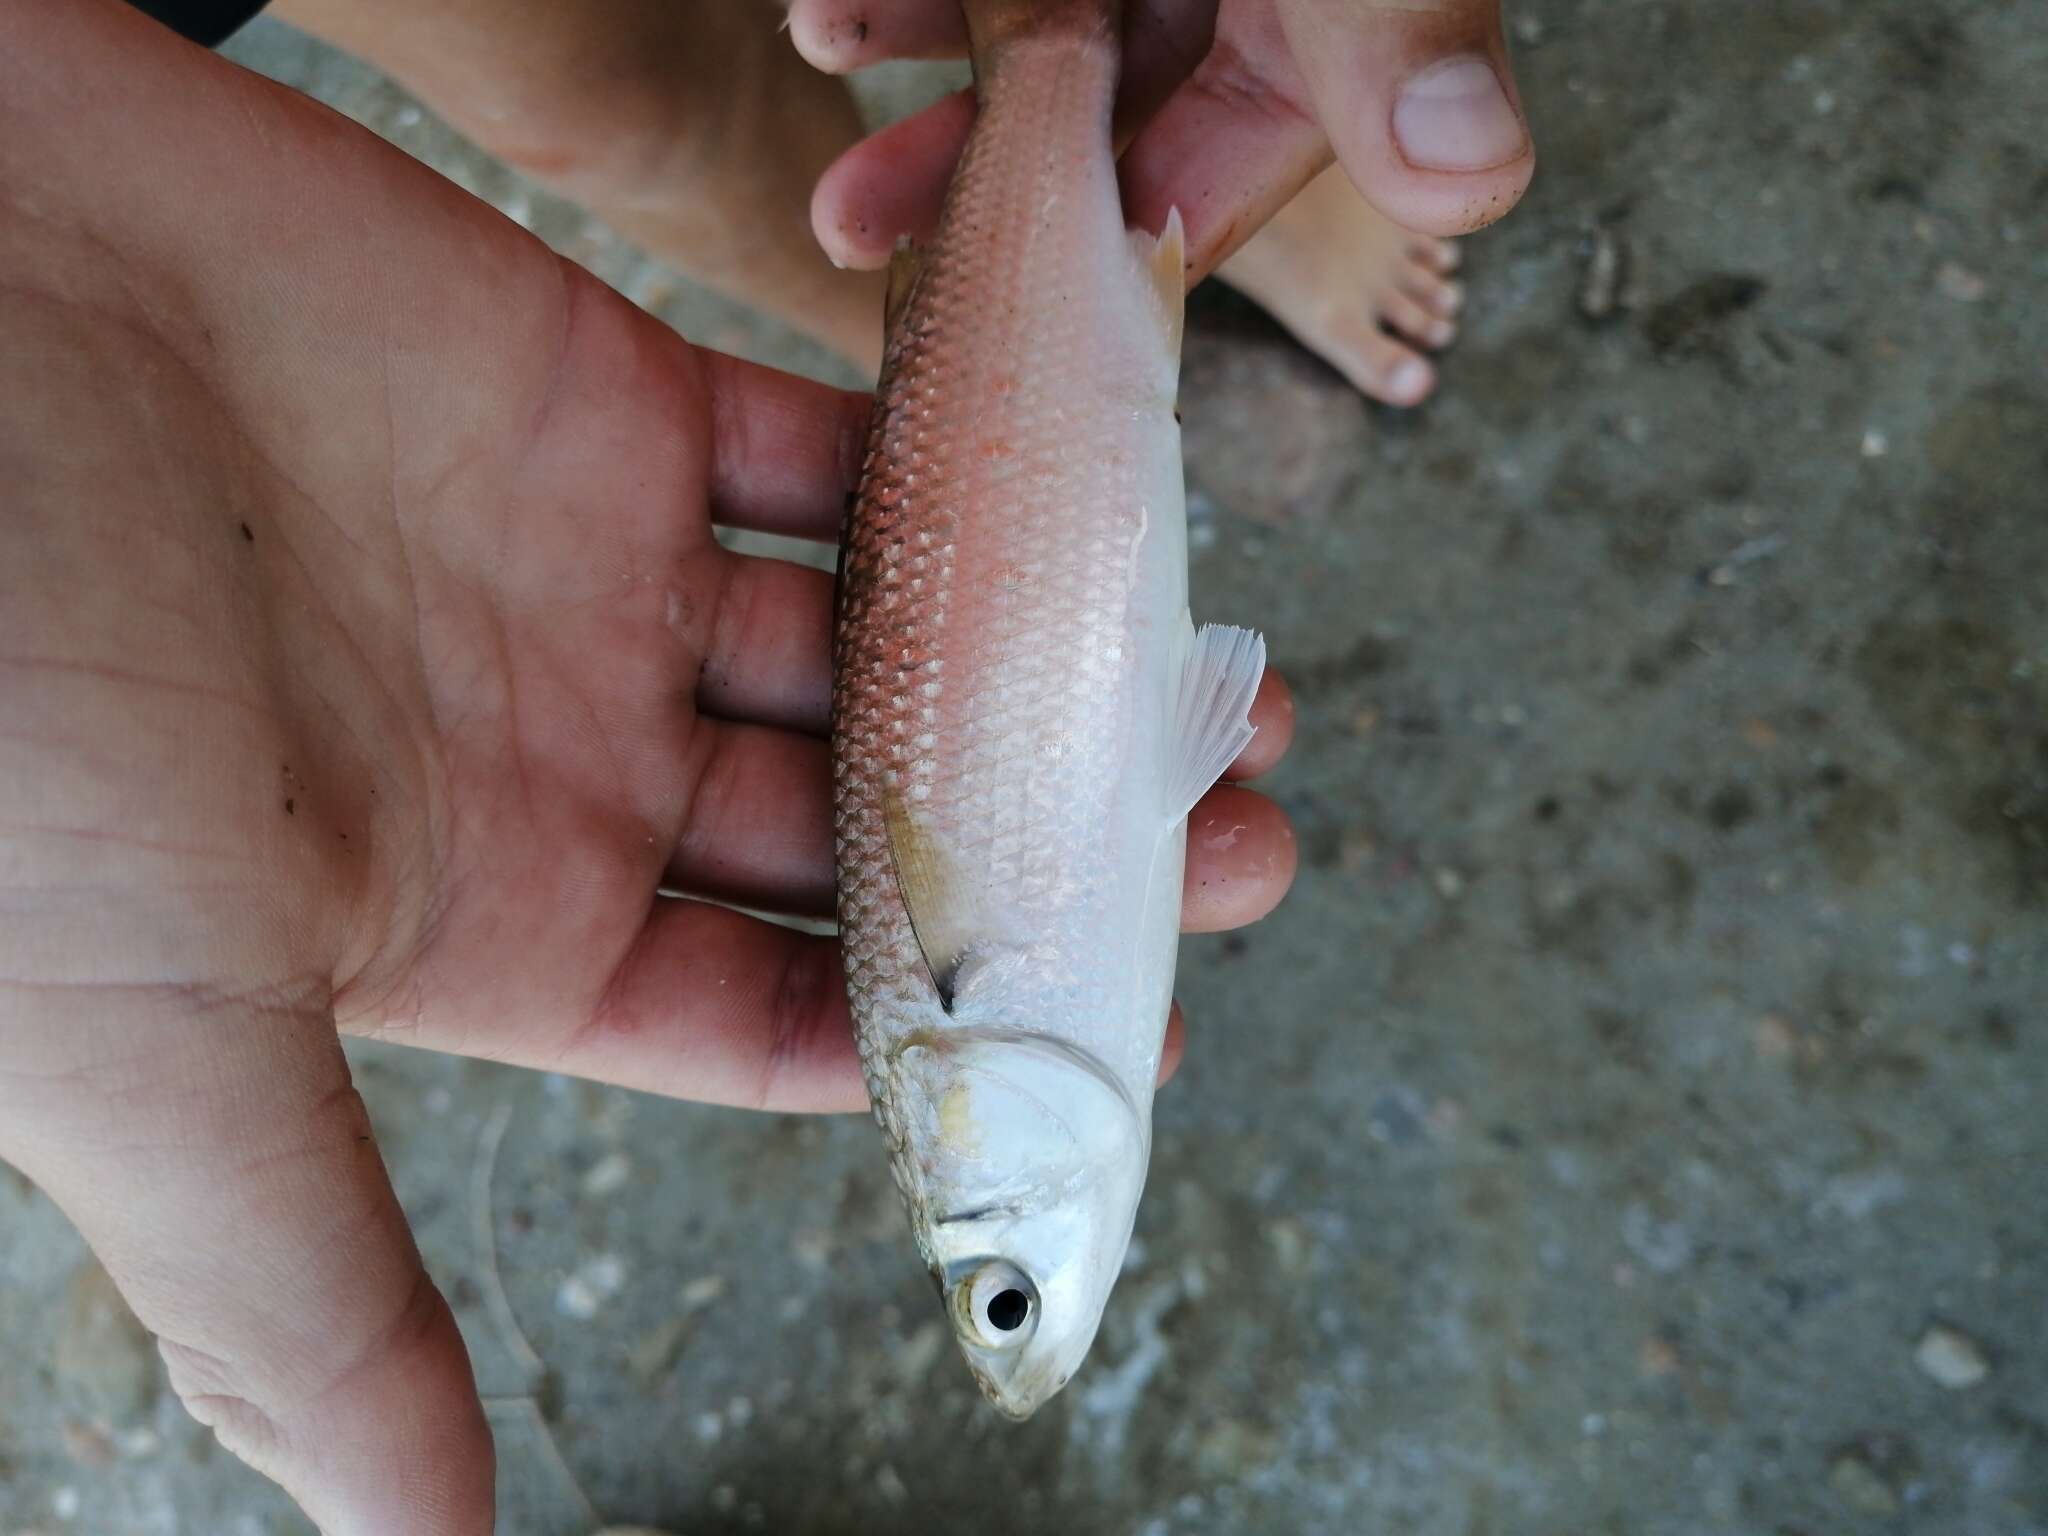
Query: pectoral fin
x,y
945,903
1211,705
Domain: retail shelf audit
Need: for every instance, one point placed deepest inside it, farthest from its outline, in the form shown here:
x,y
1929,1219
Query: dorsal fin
x,y
1164,261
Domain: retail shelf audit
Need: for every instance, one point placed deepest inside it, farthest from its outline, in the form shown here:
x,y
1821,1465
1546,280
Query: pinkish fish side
x,y
1023,712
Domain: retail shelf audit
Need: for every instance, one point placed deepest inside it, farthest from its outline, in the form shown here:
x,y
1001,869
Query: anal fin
x,y
1211,711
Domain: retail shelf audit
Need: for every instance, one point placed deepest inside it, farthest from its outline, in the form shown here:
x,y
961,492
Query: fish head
x,y
1030,1159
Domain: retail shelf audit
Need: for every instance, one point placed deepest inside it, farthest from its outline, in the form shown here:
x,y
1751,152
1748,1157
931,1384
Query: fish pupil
x,y
1008,1309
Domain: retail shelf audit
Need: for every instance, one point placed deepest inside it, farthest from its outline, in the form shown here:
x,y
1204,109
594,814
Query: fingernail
x,y
1454,116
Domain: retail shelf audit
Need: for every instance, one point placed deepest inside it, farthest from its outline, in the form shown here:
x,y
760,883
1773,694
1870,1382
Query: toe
x,y
1387,369
1416,320
1438,255
1438,295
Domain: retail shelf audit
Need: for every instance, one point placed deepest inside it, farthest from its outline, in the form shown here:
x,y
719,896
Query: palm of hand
x,y
367,658
613,700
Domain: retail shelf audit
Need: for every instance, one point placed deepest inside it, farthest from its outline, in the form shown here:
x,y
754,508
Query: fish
x,y
1024,712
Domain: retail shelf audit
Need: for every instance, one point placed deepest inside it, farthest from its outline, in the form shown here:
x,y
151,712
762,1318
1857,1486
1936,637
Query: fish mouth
x,y
1018,1402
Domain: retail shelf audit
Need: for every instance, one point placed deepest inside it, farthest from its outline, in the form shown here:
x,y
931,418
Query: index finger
x,y
841,36
785,451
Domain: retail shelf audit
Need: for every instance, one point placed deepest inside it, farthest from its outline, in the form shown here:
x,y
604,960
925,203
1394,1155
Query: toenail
x,y
1451,298
1454,116
1409,381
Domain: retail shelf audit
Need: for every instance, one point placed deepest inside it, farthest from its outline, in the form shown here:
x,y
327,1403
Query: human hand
x,y
1230,108
366,663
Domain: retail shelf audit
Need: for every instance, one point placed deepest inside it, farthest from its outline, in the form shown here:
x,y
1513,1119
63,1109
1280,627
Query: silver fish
x,y
1024,712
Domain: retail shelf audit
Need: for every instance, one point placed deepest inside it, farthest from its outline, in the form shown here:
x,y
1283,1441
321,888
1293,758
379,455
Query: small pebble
x,y
1857,1484
699,1293
595,1282
1875,444
87,1444
1449,883
1658,1356
607,1174
1958,282
64,1503
1665,1246
1951,1358
1600,282
919,1353
656,1350
1289,1242
1773,1037
889,1485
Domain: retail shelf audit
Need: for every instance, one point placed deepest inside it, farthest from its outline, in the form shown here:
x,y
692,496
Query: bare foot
x,y
1355,288
694,130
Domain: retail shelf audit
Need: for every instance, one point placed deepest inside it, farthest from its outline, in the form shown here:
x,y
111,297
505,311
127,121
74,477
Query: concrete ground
x,y
1635,1120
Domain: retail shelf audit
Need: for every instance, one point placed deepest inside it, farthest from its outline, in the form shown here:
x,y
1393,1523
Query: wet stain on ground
x,y
1960,694
1694,319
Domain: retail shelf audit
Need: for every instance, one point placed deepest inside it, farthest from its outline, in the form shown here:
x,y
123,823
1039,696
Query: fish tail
x,y
993,26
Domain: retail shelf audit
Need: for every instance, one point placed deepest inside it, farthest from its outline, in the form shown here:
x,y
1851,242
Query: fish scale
x,y
1011,767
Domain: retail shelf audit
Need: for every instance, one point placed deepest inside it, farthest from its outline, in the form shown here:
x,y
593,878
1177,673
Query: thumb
x,y
1420,103
214,1154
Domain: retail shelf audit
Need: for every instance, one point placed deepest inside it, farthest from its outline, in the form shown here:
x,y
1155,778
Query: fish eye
x,y
1008,1309
998,1303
